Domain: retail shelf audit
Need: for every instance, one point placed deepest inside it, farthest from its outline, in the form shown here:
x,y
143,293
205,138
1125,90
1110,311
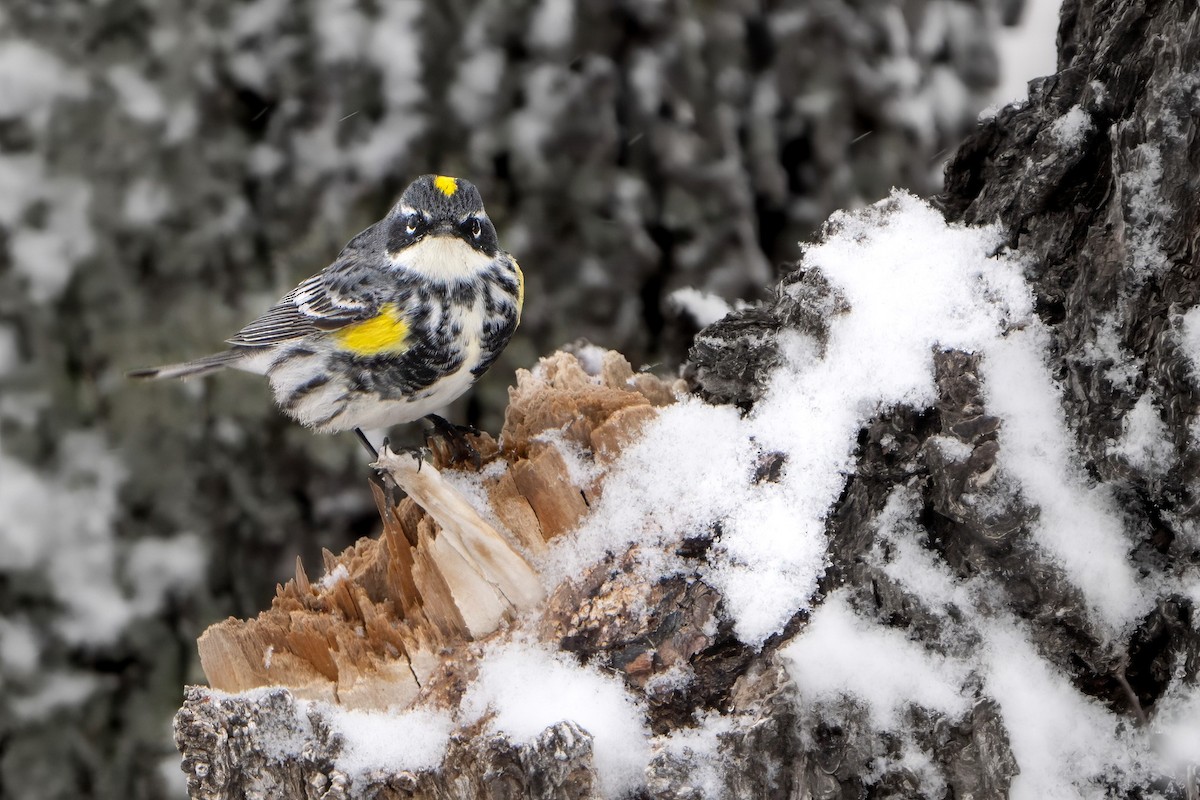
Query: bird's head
x,y
439,227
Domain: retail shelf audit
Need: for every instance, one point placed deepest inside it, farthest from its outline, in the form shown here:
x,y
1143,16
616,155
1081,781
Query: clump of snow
x,y
22,646
1144,442
372,741
334,577
1072,127
590,357
158,566
341,28
843,655
909,562
45,253
524,688
8,349
704,308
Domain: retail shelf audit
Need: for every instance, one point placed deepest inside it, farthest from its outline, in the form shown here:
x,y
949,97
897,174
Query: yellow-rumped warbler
x,y
413,310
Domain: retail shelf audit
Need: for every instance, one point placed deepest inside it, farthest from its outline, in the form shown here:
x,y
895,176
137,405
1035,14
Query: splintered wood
x,y
369,634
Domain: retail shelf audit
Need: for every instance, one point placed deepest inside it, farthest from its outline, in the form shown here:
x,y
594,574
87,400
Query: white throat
x,y
442,258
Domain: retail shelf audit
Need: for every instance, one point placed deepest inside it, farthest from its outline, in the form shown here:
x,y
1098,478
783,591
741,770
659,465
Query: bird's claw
x,y
454,437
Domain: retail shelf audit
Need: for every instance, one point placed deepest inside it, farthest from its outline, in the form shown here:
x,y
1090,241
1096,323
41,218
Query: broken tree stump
x,y
369,634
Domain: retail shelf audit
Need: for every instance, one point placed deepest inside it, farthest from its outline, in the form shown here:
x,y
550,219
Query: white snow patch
x,y
1189,339
842,655
885,262
909,562
333,578
1063,741
699,747
1079,524
1072,127
1177,724
391,742
704,308
527,688
394,47
1123,369
1145,211
1144,442
582,469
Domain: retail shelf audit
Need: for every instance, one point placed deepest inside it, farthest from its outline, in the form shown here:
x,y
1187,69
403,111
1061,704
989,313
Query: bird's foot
x,y
382,478
453,438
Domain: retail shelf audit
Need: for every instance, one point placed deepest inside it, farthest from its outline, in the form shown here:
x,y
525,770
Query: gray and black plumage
x,y
413,311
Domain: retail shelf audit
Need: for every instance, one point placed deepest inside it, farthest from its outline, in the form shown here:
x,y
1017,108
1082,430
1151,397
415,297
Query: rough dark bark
x,y
1108,221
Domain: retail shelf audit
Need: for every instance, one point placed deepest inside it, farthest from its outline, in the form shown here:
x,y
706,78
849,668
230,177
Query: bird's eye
x,y
476,228
414,222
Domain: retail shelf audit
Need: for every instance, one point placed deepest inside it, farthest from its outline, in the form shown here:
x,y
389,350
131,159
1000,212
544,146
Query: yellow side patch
x,y
445,184
520,289
386,332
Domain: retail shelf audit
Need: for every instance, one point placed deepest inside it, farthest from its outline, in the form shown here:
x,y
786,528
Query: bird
x,y
410,314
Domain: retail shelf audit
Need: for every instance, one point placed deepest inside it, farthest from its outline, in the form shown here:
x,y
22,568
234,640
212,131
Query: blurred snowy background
x,y
168,169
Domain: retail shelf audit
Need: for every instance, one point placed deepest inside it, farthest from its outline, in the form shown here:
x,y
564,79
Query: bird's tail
x,y
190,369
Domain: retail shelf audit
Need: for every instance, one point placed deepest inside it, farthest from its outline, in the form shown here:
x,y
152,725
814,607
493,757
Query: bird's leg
x,y
362,438
381,478
455,437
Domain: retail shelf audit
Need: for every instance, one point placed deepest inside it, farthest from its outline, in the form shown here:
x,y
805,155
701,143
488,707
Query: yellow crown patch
x,y
445,184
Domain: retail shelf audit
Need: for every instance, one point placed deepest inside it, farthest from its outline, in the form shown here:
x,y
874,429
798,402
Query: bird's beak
x,y
443,228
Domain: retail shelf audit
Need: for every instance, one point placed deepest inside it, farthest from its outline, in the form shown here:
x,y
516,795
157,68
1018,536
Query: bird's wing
x,y
339,296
